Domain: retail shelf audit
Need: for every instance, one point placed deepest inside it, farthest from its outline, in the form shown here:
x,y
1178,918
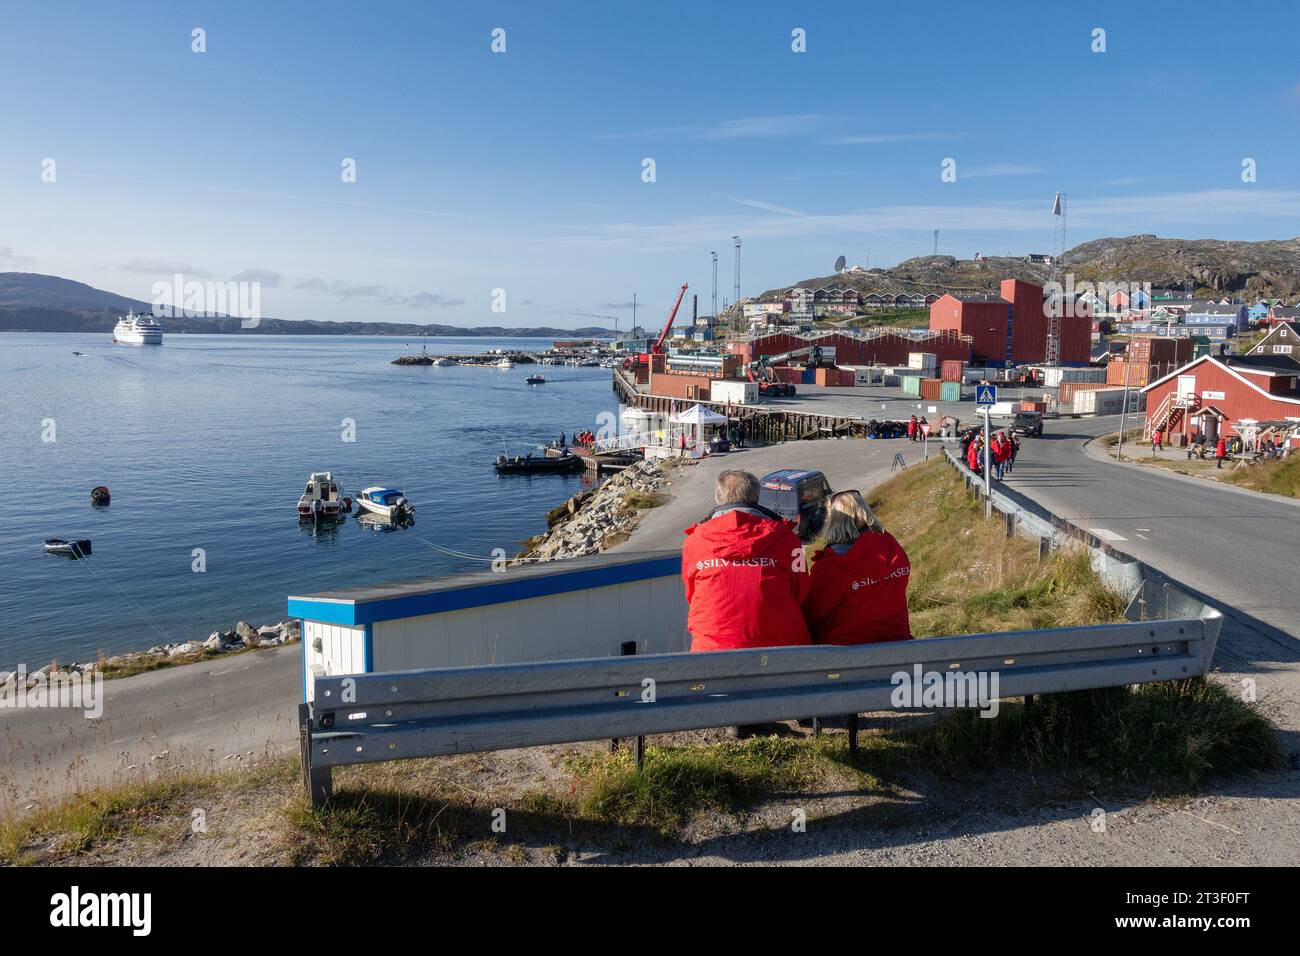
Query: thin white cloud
x,y
997,169
877,138
765,206
381,295
744,128
1109,215
164,267
12,260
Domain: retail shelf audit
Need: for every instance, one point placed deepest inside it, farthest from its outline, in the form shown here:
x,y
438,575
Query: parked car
x,y
799,497
1029,424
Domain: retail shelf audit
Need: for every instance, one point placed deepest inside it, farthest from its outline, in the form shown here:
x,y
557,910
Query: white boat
x,y
443,362
505,363
134,329
385,502
323,497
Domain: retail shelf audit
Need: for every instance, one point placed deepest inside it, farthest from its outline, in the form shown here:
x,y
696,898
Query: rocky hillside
x,y
1270,268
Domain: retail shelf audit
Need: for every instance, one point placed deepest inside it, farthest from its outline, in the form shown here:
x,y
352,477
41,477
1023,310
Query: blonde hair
x,y
847,517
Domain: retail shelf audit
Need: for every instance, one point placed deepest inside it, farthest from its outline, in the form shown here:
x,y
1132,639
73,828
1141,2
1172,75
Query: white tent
x,y
699,415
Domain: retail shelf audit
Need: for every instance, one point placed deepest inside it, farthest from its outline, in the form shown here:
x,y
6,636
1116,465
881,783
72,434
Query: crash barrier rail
x,y
1149,592
366,718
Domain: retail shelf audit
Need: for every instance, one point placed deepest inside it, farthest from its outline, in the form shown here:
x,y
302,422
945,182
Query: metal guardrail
x,y
407,714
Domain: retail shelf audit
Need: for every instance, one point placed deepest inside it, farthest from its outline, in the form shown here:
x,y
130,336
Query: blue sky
x,y
523,170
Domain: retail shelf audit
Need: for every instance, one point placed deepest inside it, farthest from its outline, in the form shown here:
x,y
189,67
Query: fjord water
x,y
206,443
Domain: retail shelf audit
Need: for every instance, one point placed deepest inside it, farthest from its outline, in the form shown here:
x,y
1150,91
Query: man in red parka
x,y
1220,452
745,573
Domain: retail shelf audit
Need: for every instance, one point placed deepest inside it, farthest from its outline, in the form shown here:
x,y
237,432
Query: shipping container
x,y
1068,390
733,392
930,389
808,376
950,392
911,385
950,370
695,387
848,378
1106,401
922,361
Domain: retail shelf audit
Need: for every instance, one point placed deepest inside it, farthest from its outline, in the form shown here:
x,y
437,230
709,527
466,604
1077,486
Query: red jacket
x,y
1220,449
745,582
1001,450
974,456
860,597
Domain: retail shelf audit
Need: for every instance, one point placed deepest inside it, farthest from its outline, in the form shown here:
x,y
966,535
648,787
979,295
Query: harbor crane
x,y
657,347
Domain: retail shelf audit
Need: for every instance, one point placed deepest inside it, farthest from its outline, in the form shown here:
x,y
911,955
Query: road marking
x,y
1144,537
1106,535
1148,530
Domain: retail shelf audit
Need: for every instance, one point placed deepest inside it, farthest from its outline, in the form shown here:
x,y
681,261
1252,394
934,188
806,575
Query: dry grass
x,y
1275,477
969,577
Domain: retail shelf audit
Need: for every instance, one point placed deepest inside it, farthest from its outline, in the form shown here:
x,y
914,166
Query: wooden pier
x,y
763,424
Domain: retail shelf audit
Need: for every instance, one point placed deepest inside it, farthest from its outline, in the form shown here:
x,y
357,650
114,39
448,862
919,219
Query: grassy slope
x,y
1277,477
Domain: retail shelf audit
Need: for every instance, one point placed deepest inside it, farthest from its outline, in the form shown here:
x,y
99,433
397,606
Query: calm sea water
x,y
207,441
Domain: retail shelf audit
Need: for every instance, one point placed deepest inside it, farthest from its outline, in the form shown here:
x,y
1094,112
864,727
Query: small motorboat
x,y
443,362
535,379
99,496
70,549
385,502
528,465
504,363
322,499
78,353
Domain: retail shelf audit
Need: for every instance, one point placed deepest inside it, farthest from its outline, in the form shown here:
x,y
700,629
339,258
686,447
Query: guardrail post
x,y
628,649
852,724
1044,548
317,781
1011,524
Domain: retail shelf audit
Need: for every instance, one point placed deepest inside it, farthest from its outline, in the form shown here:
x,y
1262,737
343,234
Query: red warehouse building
x,y
875,347
1220,394
1029,325
1012,327
985,318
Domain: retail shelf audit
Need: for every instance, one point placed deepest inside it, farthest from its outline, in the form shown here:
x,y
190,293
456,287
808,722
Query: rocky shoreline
x,y
243,636
600,518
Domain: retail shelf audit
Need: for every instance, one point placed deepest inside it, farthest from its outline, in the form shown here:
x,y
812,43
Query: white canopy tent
x,y
700,420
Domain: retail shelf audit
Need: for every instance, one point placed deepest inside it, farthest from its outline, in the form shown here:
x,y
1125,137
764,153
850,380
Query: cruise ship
x,y
135,329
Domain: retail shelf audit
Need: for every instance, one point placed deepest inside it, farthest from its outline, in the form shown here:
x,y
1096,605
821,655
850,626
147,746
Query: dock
x,y
763,424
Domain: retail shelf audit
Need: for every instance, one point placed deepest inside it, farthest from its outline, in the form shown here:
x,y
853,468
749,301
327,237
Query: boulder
x,y
189,647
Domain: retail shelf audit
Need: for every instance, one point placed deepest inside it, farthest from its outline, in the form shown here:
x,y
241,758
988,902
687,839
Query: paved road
x,y
1237,546
217,713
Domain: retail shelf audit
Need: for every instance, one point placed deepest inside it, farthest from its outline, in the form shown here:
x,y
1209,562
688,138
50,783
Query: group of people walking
x,y
1003,449
749,584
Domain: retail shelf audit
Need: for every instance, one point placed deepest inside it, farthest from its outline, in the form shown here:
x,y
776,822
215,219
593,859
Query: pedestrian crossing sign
x,y
986,395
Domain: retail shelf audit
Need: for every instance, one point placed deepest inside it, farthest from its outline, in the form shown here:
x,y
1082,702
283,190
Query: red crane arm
x,y
658,347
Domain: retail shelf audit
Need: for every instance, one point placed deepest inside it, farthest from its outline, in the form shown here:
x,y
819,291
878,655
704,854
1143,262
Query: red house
x,y
1221,393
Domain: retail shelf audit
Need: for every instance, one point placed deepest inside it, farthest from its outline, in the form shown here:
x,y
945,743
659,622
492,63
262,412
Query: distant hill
x,y
39,303
1252,269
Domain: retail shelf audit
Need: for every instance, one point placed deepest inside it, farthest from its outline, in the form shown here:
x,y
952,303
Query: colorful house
x,y
1222,395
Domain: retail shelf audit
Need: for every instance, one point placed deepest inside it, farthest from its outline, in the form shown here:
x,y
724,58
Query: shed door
x,y
1187,386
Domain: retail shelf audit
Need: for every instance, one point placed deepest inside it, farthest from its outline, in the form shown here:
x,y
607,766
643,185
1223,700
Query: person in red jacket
x,y
1220,452
975,454
744,572
859,580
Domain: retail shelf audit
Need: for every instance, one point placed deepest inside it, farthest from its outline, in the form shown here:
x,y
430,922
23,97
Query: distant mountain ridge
x,y
1270,268
31,302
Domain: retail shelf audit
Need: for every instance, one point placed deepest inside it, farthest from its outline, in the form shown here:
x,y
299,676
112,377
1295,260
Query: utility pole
x,y
715,282
936,242
1123,412
736,239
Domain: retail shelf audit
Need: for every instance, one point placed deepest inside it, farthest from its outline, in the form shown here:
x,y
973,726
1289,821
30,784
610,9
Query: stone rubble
x,y
242,635
583,525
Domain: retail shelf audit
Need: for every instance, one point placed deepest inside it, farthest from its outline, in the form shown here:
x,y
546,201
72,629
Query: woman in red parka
x,y
859,580
1220,452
